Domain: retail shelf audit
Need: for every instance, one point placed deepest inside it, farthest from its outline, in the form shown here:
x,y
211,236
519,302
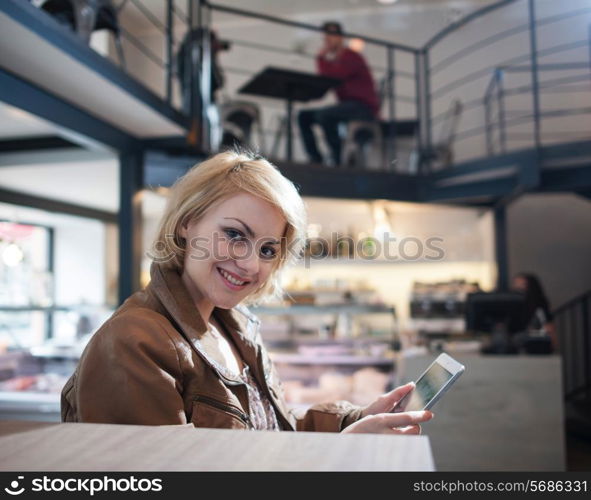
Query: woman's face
x,y
232,250
520,284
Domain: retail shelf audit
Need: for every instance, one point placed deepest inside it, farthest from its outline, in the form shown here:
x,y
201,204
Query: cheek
x,y
265,271
221,250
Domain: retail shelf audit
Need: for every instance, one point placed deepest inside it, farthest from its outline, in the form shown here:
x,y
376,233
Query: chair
x,y
363,144
86,16
400,139
239,119
440,155
363,140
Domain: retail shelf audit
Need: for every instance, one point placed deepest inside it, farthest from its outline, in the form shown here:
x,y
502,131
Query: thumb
x,y
397,394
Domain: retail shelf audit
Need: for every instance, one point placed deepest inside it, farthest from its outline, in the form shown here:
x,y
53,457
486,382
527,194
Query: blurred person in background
x,y
536,315
357,96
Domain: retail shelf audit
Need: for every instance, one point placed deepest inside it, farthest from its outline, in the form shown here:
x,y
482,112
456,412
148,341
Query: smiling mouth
x,y
230,279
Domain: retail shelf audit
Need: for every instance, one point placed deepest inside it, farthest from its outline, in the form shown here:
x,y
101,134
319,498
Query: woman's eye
x,y
233,234
268,252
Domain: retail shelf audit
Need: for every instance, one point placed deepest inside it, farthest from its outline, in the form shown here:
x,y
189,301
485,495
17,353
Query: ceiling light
x,y
387,1
12,255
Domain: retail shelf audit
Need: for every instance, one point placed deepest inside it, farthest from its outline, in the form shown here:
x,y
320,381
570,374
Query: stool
x,y
238,120
363,145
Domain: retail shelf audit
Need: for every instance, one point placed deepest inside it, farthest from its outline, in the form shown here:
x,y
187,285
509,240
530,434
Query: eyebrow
x,y
250,231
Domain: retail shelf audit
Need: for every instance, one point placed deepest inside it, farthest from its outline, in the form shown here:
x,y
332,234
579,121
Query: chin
x,y
227,303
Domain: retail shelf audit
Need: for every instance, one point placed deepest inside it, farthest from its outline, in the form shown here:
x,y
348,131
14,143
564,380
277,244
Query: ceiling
x,y
401,17
16,123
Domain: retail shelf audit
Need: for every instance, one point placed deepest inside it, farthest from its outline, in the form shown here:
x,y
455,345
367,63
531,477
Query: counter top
x,y
34,446
505,413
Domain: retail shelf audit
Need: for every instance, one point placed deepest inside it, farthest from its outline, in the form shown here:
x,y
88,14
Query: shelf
x,y
314,339
341,359
308,263
75,307
329,290
324,309
33,308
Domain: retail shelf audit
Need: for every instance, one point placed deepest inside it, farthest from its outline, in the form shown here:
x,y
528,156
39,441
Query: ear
x,y
183,230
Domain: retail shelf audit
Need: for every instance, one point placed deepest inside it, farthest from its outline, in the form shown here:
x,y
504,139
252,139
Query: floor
x,y
578,454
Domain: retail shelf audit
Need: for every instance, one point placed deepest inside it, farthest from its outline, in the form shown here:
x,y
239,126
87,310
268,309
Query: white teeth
x,y
231,279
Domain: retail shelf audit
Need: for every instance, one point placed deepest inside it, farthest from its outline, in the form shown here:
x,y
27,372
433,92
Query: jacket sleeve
x,y
329,417
130,374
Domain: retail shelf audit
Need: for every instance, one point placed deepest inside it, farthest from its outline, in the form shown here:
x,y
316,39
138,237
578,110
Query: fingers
x,y
392,397
405,418
408,430
391,423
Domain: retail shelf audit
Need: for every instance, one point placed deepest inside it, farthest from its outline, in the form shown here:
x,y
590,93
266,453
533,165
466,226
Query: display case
x,y
331,344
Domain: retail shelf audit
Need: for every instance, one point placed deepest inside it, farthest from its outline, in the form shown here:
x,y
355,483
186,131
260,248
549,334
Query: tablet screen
x,y
427,387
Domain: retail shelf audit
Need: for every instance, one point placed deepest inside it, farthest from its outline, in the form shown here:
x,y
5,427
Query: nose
x,y
248,264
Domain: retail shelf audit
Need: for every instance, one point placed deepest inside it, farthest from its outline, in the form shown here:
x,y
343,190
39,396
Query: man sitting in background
x,y
357,95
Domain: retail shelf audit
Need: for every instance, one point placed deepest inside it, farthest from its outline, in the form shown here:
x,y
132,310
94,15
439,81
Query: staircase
x,y
573,325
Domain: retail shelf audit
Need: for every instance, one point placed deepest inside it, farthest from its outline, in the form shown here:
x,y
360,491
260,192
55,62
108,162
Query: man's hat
x,y
332,28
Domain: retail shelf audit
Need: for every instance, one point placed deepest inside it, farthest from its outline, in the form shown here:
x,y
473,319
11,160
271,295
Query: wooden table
x,y
291,86
29,446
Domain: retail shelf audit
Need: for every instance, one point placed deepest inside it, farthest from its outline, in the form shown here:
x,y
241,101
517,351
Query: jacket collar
x,y
166,284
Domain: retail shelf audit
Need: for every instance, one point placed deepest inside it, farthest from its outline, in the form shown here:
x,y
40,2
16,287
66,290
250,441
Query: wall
x,y
549,235
467,78
466,240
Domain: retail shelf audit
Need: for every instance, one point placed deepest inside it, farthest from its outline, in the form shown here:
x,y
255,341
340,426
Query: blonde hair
x,y
220,176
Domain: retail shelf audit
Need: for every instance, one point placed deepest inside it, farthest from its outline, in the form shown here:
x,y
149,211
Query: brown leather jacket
x,y
146,365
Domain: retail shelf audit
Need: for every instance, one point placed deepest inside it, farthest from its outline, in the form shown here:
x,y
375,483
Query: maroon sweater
x,y
358,84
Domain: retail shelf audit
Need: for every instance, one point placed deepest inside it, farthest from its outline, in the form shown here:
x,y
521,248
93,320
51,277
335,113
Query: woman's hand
x,y
377,419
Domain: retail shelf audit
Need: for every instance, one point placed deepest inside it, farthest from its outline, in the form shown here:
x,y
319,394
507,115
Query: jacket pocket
x,y
209,412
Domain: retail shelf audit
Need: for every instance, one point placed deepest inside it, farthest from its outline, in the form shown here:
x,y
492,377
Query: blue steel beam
x,y
501,247
566,150
162,170
24,95
495,188
131,183
566,179
483,165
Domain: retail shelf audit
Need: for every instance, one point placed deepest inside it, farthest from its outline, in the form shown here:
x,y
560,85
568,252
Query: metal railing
x,y
495,118
119,18
391,68
420,82
573,326
169,42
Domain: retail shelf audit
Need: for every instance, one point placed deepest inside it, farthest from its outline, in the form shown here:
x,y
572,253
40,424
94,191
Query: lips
x,y
233,280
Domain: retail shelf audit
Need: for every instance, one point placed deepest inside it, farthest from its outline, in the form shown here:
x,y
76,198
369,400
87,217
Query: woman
x,y
536,313
186,349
